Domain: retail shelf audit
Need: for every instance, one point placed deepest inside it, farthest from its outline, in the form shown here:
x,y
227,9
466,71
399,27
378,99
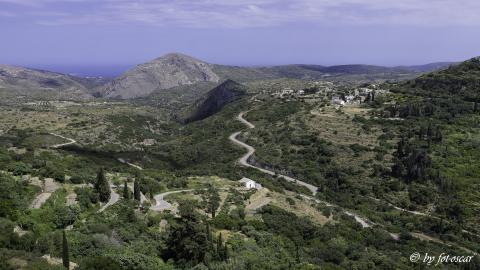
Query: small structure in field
x,y
249,183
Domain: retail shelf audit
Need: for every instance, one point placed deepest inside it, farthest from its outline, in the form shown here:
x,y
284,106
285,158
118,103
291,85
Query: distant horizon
x,y
113,70
67,33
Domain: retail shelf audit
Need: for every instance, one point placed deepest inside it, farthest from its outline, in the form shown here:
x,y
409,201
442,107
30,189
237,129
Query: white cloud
x,y
258,13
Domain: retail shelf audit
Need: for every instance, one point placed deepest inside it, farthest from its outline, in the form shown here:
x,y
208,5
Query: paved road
x,y
114,197
365,223
70,141
250,151
161,204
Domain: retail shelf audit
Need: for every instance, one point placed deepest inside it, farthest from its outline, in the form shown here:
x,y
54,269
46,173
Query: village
x,y
325,91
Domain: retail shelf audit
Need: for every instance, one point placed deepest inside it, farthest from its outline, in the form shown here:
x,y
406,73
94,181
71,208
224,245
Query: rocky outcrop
x,y
216,99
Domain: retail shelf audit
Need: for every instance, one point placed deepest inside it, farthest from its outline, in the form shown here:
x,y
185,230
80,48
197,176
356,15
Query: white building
x,y
249,183
338,101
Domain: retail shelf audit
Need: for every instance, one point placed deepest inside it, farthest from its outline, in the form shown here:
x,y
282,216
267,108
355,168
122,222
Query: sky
x,y
106,37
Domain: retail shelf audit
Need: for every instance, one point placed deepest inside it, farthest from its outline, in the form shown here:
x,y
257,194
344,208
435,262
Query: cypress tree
x,y
65,255
102,186
225,252
208,232
219,247
126,192
136,190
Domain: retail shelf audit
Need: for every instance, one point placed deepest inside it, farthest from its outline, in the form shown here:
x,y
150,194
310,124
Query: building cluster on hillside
x,y
357,96
324,90
313,90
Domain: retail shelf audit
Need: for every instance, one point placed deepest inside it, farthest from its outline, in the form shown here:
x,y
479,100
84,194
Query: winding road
x,y
365,223
250,151
244,159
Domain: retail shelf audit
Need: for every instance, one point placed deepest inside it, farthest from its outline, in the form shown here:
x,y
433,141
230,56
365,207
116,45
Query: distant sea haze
x,y
87,70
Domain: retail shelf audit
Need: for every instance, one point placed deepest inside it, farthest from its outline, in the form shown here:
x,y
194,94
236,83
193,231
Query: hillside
x,y
16,81
215,100
168,71
461,81
179,71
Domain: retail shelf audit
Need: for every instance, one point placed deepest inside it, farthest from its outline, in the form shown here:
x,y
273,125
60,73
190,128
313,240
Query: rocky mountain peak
x,y
168,71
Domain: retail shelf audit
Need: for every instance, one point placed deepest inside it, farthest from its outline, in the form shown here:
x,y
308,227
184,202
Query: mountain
x,y
166,72
178,75
461,81
429,67
177,70
16,81
215,100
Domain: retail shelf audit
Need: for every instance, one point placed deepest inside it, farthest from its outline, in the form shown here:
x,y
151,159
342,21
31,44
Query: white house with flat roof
x,y
249,183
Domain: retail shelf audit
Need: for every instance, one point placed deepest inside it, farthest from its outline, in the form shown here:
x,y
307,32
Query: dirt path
x,y
129,164
58,261
417,213
49,186
70,141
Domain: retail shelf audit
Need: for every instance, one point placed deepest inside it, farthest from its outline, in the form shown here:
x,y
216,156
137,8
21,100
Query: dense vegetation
x,y
406,162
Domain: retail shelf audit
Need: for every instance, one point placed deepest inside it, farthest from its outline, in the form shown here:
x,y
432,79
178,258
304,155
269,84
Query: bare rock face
x,y
25,81
168,71
225,93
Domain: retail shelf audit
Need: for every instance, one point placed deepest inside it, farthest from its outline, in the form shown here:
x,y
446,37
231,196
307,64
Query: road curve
x,y
250,151
161,204
362,221
114,197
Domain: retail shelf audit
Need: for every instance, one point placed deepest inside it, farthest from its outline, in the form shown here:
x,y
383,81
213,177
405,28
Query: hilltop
x,y
165,72
24,81
462,80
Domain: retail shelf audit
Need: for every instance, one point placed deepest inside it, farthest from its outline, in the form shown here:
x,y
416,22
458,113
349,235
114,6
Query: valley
x,y
354,167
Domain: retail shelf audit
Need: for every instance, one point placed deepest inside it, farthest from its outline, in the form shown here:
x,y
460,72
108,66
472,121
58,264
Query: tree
x,y
211,200
136,190
102,186
65,255
220,248
187,242
397,168
126,191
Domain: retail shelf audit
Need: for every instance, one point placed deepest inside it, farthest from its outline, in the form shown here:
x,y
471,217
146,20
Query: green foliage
x,y
65,254
126,191
136,189
15,196
98,263
102,186
211,200
86,196
187,242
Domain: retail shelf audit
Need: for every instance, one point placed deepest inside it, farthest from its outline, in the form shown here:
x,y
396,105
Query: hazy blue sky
x,y
99,35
